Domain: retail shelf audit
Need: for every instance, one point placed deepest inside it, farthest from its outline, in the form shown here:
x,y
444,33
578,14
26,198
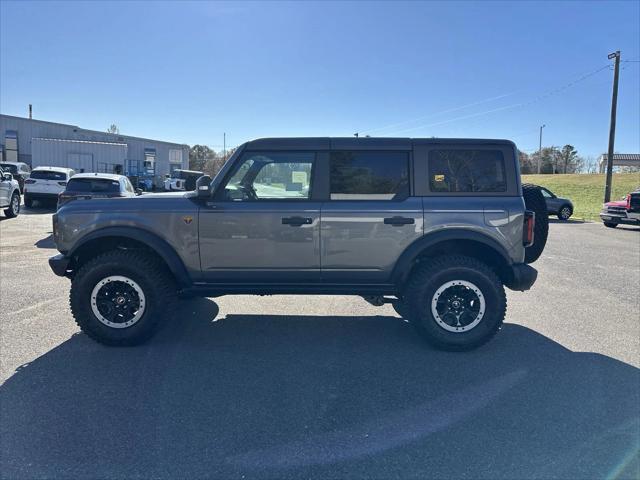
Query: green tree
x,y
113,128
199,155
568,159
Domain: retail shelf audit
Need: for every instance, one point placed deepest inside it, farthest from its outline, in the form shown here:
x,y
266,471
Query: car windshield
x,y
48,175
93,185
10,168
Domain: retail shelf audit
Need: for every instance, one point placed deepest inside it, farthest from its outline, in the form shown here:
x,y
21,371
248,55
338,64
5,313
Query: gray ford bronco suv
x,y
436,227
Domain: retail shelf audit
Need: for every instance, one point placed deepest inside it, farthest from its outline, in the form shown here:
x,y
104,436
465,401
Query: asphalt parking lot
x,y
327,387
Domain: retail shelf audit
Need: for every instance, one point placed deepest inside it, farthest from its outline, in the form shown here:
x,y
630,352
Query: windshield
x,y
48,175
93,185
8,167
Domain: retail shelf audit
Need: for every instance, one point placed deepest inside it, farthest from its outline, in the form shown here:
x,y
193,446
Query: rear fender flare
x,y
430,240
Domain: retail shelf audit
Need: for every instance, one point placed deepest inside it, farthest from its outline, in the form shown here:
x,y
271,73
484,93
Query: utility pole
x,y
612,125
30,111
540,148
224,146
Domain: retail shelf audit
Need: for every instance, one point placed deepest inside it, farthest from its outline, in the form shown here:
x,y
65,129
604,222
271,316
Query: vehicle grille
x,y
617,210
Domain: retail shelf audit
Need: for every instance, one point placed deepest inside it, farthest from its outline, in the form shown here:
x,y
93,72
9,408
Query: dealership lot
x,y
322,387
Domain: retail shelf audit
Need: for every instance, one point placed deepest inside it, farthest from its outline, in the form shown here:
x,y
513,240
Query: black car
x,y
562,207
19,170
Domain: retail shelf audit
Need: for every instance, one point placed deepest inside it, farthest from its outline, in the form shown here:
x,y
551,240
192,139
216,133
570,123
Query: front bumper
x,y
612,218
521,277
60,265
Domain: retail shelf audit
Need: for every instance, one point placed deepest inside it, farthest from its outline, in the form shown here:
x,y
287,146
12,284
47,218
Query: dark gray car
x,y
436,227
562,207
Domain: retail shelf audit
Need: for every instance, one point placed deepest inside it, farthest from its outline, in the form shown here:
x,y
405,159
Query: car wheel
x,y
122,297
610,225
456,302
14,206
534,200
565,213
28,201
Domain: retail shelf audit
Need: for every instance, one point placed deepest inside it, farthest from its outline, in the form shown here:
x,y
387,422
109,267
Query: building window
x,y
150,161
369,175
466,171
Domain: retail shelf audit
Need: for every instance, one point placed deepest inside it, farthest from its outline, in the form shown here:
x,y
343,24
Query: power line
x,y
537,99
449,110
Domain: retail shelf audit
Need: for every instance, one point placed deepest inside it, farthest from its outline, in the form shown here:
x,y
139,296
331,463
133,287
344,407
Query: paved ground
x,y
327,387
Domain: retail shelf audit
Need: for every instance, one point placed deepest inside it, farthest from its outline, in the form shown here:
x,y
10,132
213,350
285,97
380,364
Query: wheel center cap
x,y
120,300
455,304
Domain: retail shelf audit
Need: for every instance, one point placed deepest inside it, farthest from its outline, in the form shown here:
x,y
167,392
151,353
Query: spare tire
x,y
535,202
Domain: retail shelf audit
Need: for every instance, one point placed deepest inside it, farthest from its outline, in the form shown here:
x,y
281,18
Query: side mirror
x,y
138,191
7,176
203,186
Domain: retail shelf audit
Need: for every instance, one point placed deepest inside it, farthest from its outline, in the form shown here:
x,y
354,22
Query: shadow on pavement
x,y
568,222
46,242
317,397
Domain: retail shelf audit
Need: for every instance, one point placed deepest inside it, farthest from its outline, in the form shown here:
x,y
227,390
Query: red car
x,y
625,211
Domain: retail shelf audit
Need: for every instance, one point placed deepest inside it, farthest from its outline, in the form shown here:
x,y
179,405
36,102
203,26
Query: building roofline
x,y
70,140
92,131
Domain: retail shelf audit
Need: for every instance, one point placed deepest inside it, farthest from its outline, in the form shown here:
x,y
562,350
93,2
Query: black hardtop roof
x,y
361,143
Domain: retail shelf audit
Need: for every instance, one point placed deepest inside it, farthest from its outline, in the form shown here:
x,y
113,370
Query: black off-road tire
x,y
610,225
534,200
14,206
28,201
147,271
429,277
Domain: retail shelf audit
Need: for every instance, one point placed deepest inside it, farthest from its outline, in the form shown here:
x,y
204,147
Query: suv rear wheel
x,y
456,302
122,296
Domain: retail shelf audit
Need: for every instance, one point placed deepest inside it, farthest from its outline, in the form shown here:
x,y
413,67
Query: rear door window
x,y
48,175
369,175
466,171
93,185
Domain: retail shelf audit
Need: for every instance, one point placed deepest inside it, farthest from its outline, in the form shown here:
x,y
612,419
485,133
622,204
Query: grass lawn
x,y
586,191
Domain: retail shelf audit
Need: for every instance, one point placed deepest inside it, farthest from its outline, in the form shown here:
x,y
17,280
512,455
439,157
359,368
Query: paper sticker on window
x,y
438,178
299,177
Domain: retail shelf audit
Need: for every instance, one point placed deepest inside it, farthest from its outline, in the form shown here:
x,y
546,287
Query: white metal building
x,y
41,143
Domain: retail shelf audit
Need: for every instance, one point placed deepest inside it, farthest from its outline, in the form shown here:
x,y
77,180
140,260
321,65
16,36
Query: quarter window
x,y
460,170
369,175
271,176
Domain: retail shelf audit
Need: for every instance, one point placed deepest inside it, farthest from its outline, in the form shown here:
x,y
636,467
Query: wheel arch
x,y
110,238
453,241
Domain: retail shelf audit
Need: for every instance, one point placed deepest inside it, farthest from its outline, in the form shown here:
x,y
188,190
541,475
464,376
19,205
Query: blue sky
x,y
188,72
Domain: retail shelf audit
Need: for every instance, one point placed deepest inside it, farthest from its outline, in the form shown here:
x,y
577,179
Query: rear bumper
x,y
59,264
521,277
41,196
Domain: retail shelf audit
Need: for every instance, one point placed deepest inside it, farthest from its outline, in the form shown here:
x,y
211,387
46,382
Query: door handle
x,y
297,221
399,221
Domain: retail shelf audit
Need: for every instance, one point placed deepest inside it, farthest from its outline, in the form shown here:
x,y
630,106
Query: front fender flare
x,y
151,240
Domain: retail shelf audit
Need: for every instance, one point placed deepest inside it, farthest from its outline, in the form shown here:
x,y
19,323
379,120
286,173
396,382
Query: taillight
x,y
529,227
64,184
629,202
28,180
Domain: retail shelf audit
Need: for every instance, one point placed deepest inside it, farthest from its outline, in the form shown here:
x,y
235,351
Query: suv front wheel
x,y
121,297
456,302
